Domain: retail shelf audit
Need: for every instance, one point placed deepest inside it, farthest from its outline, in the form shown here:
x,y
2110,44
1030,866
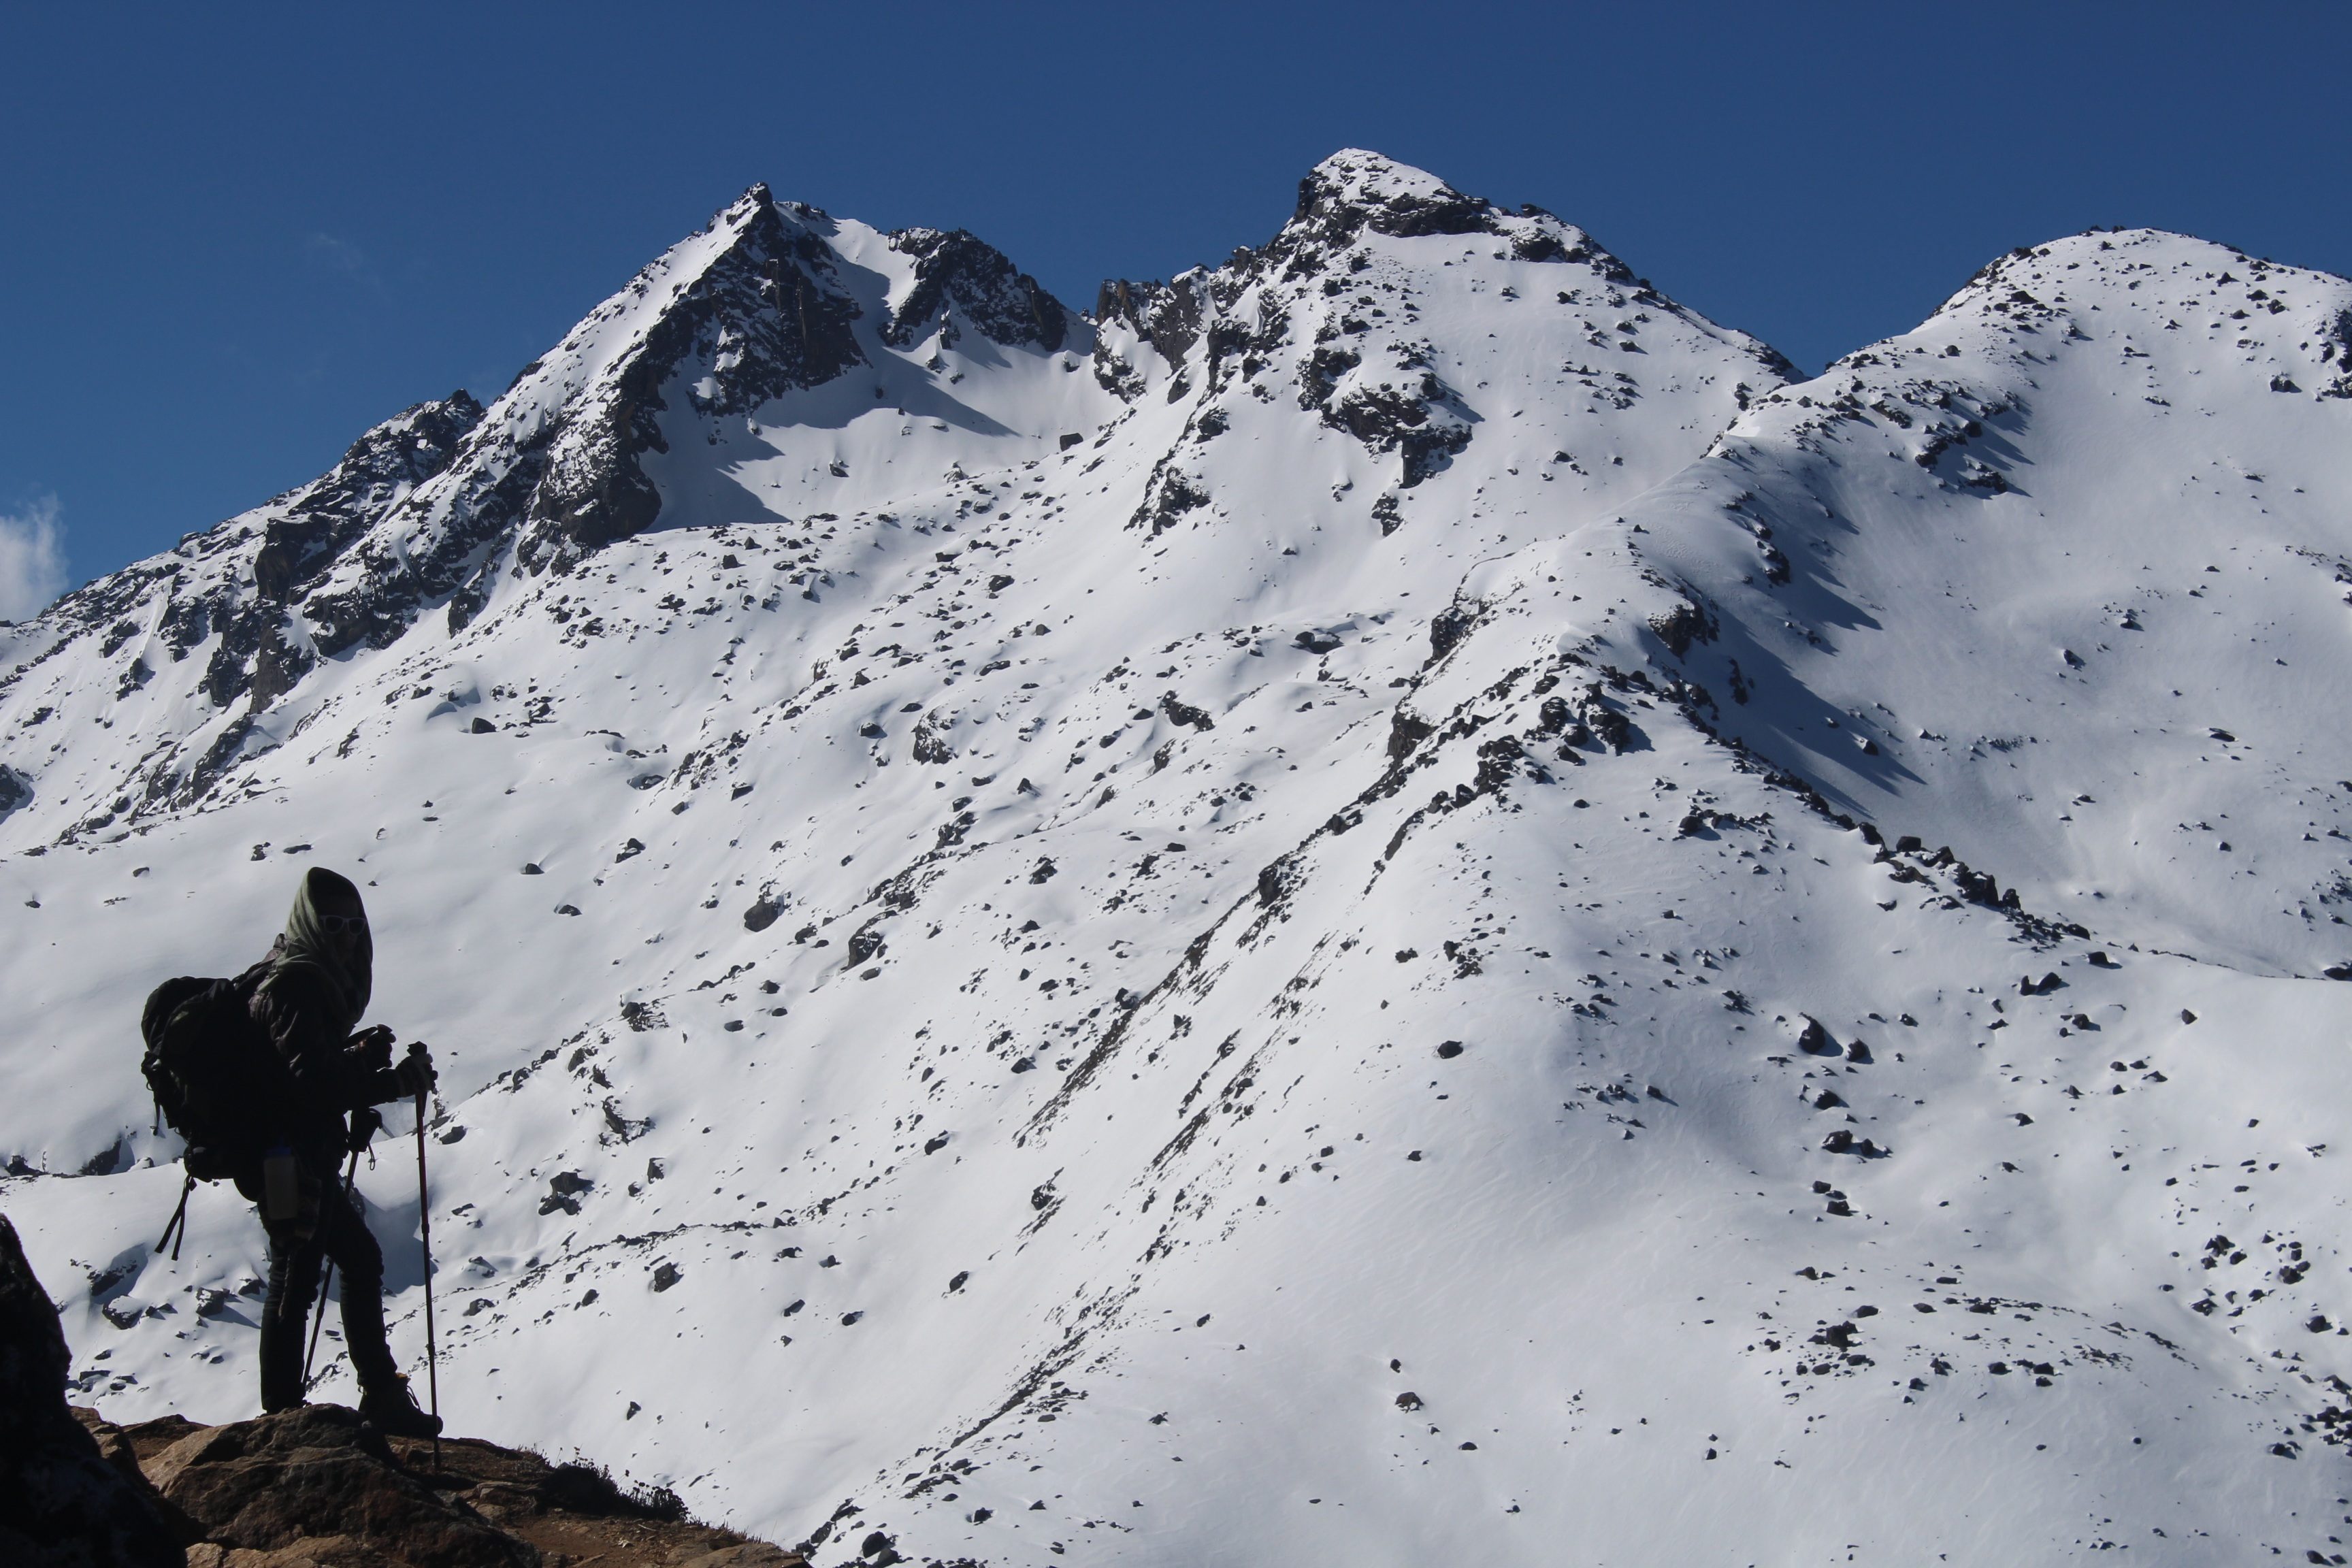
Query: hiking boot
x,y
392,1410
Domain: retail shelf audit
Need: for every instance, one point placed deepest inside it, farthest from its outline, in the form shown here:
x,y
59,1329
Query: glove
x,y
372,1047
367,1122
413,1072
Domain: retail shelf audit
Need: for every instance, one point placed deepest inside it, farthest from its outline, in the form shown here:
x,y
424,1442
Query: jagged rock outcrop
x,y
748,309
320,1482
62,1505
263,650
958,276
318,1488
237,587
1164,316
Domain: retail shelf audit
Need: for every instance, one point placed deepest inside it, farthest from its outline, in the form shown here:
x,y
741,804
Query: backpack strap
x,y
178,1222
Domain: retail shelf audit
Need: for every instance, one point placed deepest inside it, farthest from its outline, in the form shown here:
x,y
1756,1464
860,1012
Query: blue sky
x,y
228,246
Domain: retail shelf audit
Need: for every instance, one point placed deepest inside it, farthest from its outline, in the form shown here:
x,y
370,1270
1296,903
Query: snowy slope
x,y
2073,556
1170,938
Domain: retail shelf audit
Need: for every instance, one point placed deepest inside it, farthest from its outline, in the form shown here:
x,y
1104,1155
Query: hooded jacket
x,y
308,1000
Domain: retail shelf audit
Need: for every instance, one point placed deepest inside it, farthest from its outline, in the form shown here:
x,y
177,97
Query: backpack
x,y
214,1076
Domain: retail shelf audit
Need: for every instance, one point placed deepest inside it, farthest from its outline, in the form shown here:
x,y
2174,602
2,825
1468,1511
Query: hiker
x,y
308,997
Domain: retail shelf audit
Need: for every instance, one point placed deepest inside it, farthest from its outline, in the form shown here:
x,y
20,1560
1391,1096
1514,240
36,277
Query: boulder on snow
x,y
62,1503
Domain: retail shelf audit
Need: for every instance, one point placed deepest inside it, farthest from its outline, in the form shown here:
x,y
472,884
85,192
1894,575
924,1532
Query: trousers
x,y
330,1229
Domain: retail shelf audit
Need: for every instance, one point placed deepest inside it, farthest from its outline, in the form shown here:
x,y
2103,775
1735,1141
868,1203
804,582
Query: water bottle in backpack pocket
x,y
281,1185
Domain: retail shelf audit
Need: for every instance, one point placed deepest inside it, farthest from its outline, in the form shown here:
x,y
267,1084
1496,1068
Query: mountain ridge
x,y
1320,879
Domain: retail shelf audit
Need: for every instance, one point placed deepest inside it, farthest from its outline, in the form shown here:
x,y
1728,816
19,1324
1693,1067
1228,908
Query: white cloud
x,y
32,560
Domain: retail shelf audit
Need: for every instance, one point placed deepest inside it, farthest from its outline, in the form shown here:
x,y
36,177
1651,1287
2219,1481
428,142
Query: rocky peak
x,y
958,277
1353,192
750,307
2159,294
235,585
379,471
765,315
1354,189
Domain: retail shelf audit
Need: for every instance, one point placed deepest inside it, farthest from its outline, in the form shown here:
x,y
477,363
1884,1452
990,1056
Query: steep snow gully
x,y
1395,900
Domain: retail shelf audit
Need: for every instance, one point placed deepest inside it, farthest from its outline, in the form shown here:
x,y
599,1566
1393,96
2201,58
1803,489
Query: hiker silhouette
x,y
267,1080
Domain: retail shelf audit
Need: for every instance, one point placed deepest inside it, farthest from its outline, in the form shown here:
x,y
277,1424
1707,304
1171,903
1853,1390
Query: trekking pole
x,y
425,1239
327,1278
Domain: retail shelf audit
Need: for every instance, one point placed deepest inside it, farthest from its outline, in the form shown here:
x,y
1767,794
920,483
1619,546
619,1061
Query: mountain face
x,y
1391,899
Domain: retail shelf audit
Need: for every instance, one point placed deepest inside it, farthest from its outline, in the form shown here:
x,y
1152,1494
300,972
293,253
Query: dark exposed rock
x,y
316,1473
1406,731
1499,760
864,942
1168,495
312,529
431,508
380,467
1449,625
15,789
1276,879
357,1502
1421,419
958,276
62,1503
1687,622
563,1192
765,315
1166,315
930,743
1603,722
1351,192
1184,713
1318,376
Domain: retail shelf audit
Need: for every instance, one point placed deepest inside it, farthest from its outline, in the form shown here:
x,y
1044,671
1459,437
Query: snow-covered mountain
x,y
1390,900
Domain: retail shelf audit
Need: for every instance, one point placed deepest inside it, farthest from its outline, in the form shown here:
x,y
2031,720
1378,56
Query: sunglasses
x,y
335,925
